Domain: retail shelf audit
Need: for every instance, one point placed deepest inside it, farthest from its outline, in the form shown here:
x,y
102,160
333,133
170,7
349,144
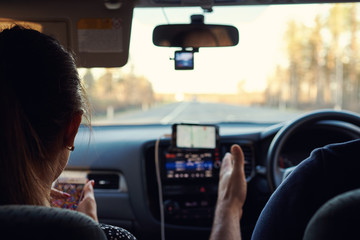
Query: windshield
x,y
290,59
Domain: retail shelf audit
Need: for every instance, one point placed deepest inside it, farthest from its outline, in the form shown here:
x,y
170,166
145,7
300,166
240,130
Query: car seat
x,y
339,218
38,222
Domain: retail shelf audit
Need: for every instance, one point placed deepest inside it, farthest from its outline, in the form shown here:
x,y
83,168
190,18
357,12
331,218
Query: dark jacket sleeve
x,y
328,171
289,208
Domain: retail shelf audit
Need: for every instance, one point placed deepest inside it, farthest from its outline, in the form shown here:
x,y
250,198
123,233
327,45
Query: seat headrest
x,y
339,218
37,222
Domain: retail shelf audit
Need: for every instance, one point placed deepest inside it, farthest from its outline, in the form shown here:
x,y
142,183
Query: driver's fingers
x,y
238,160
226,164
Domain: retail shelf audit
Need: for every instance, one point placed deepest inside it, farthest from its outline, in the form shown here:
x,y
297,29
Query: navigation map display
x,y
195,136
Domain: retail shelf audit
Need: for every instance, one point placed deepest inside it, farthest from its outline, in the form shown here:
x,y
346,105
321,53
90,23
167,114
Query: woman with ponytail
x,y
42,103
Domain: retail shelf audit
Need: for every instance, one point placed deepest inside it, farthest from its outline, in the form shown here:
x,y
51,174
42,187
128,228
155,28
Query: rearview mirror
x,y
195,35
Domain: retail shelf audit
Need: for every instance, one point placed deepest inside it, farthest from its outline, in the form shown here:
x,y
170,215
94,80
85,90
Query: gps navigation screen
x,y
193,136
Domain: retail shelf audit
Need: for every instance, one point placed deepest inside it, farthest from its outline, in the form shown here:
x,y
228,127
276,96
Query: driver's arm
x,y
291,206
231,196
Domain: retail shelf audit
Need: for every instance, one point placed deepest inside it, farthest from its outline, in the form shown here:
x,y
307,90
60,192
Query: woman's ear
x,y
72,130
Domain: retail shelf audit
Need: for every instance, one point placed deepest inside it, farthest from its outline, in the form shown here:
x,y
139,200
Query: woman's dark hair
x,y
40,92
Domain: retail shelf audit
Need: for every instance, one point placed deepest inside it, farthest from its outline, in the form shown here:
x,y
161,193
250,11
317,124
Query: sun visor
x,y
97,34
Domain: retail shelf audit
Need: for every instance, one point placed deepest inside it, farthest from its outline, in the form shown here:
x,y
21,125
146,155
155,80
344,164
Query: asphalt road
x,y
199,112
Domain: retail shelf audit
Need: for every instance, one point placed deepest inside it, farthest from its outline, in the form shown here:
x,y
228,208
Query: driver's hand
x,y
87,204
231,197
232,185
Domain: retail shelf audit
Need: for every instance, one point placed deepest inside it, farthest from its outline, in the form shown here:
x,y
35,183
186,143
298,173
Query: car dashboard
x,y
121,159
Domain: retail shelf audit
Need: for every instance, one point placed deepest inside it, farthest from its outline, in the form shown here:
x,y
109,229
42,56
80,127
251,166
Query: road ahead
x,y
200,112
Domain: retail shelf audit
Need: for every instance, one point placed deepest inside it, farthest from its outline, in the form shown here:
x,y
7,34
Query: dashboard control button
x,y
217,164
171,207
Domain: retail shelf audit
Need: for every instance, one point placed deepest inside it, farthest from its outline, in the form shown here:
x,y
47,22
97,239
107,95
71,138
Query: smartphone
x,y
184,60
73,186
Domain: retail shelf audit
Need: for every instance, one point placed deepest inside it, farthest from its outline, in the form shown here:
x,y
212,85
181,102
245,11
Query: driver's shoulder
x,y
340,163
342,151
331,161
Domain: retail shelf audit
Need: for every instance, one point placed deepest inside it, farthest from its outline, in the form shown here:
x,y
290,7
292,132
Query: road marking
x,y
172,115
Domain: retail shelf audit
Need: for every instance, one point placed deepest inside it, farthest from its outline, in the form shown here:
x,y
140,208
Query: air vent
x,y
248,154
105,180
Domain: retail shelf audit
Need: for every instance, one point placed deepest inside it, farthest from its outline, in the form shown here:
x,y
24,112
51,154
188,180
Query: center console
x,y
189,172
189,184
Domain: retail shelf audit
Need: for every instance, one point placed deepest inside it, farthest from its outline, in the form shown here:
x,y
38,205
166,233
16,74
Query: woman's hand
x,y
57,194
87,204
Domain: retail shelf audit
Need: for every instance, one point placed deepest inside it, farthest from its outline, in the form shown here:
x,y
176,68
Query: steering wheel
x,y
274,173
